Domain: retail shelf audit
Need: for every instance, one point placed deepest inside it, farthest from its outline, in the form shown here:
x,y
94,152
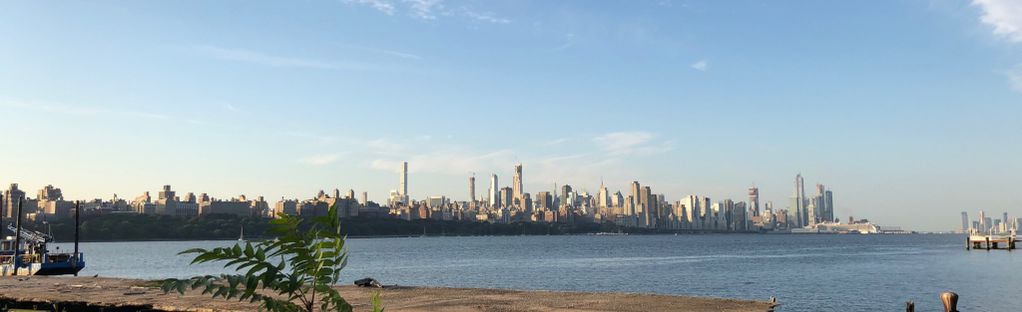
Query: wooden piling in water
x,y
950,301
910,306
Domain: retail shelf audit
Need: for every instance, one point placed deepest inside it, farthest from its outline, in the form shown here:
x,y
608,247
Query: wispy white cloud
x,y
321,159
424,9
429,10
556,141
380,5
701,65
1004,15
249,56
79,110
484,16
401,54
231,107
615,141
631,142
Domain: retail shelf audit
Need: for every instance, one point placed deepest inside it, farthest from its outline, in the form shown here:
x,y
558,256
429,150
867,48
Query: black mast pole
x,y
74,264
3,228
17,239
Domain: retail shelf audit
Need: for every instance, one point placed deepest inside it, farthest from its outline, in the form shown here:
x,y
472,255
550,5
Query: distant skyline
x,y
908,110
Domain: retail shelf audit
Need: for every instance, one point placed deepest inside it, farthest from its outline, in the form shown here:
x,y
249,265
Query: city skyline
x,y
906,109
801,211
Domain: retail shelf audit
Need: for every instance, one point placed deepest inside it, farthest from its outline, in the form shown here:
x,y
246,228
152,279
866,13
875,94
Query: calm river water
x,y
805,272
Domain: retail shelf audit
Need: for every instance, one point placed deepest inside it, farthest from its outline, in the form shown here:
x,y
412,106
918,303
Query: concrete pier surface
x,y
130,295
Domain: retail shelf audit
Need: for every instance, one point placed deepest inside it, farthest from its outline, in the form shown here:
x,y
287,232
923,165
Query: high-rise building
x,y
543,201
505,197
603,198
494,191
566,199
516,184
983,224
965,222
472,188
404,181
754,200
10,202
636,197
798,203
828,202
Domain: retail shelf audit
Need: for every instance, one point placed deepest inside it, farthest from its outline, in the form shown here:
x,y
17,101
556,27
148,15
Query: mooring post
x,y
910,306
968,243
78,208
988,242
950,301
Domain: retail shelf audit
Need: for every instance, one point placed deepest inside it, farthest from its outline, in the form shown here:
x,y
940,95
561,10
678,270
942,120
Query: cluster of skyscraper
x,y
810,211
988,225
641,207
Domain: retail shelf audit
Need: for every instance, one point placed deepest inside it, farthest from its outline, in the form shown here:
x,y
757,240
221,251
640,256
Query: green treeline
x,y
133,227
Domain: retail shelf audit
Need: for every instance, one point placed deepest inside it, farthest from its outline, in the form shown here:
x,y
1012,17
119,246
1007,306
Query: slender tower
x,y
404,181
754,200
516,184
799,206
472,188
494,191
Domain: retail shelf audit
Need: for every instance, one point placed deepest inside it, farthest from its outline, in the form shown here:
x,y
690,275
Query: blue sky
x,y
909,110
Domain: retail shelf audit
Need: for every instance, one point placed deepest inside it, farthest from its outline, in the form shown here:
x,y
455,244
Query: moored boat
x,y
26,252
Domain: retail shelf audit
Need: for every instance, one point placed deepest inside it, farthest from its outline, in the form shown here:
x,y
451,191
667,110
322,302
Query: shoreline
x,y
116,294
256,239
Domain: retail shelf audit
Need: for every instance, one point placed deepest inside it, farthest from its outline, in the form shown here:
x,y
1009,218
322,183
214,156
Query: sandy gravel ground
x,y
127,292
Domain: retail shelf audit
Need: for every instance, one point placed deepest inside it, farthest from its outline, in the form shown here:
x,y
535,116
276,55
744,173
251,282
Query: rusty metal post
x,y
950,301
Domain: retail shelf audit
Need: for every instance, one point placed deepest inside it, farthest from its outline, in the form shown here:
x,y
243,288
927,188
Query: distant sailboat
x,y
241,237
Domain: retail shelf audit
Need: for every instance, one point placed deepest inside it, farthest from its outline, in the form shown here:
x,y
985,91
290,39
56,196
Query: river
x,y
804,272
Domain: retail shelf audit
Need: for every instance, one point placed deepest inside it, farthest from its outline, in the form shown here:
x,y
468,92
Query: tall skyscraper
x,y
754,200
828,201
798,203
494,191
516,184
472,188
566,196
636,197
965,222
648,212
603,198
819,207
404,181
983,221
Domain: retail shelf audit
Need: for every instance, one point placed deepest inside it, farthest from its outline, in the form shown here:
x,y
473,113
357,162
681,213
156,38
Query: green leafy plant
x,y
295,271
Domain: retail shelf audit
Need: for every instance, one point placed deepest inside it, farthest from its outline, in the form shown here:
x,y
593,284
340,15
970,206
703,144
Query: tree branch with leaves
x,y
295,271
